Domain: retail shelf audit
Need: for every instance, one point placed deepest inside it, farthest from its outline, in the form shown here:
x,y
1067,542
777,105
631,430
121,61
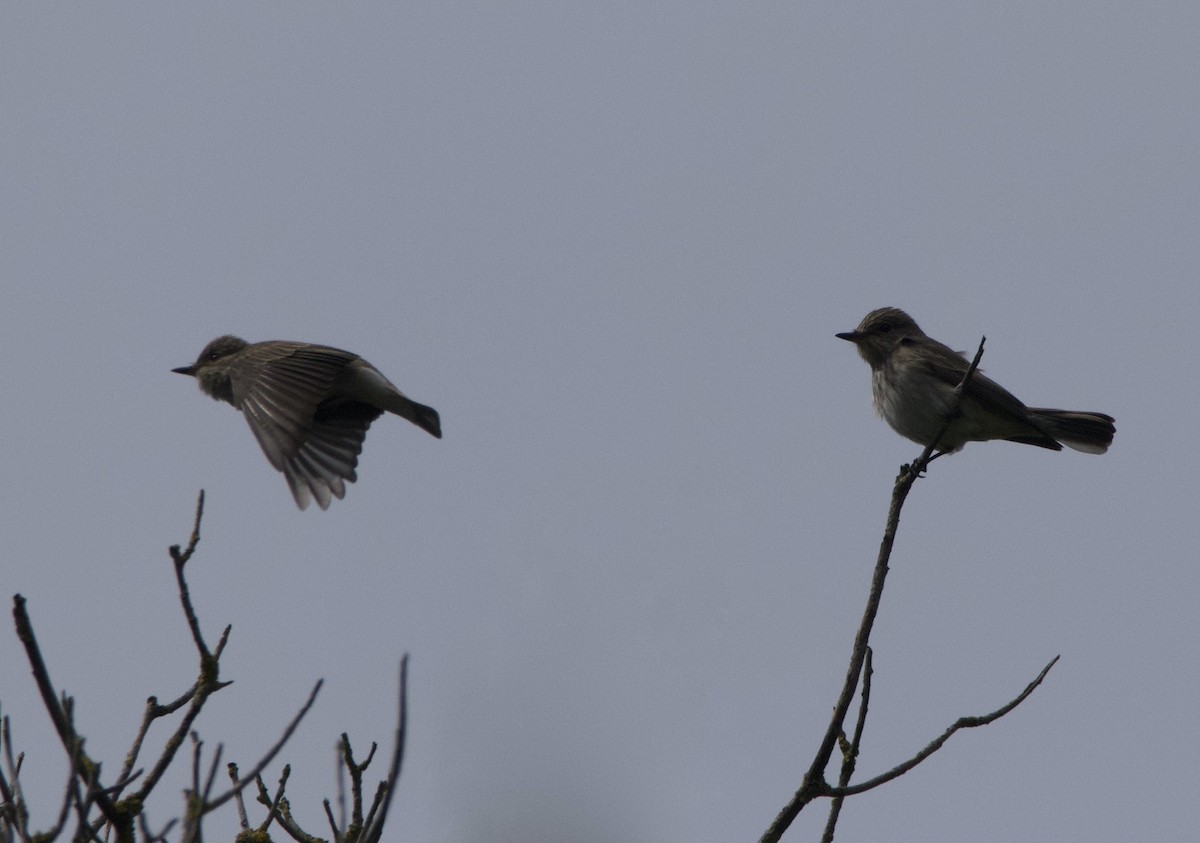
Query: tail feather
x,y
423,417
1091,433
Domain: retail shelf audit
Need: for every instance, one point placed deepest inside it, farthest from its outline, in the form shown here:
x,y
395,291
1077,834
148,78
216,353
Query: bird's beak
x,y
185,370
852,336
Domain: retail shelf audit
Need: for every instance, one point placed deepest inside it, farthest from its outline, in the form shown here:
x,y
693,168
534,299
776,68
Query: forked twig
x,y
936,743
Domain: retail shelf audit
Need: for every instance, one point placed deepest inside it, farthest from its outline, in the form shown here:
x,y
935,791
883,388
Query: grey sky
x,y
611,244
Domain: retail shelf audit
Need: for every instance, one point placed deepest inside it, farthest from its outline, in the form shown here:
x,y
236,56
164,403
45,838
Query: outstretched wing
x,y
313,439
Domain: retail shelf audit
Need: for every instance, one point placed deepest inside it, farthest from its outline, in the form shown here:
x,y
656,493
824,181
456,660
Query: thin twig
x,y
356,771
271,753
239,801
850,750
936,744
13,811
197,746
153,712
288,823
264,796
381,793
341,794
81,764
183,557
212,774
205,687
333,826
180,559
208,682
150,836
373,832
273,804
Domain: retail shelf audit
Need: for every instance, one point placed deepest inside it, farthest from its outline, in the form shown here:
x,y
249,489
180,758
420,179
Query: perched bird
x,y
913,378
308,405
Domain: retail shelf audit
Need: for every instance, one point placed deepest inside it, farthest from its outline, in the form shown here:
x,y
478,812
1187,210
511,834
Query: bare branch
x,y
289,824
59,716
212,774
273,804
936,744
13,812
271,753
118,821
333,826
153,711
207,684
239,800
224,640
374,831
183,557
180,559
175,741
341,796
356,771
149,836
850,750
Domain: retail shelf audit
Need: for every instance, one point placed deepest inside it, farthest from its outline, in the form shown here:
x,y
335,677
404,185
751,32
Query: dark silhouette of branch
x,y
149,836
209,807
374,828
813,784
333,825
936,743
83,766
86,795
356,773
14,813
238,799
273,804
357,828
289,824
207,684
850,750
12,806
180,559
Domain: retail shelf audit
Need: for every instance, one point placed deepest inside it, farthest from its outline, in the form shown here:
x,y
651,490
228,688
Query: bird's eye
x,y
884,327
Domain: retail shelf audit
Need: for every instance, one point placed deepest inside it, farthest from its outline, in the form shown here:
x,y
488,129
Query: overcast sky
x,y
611,244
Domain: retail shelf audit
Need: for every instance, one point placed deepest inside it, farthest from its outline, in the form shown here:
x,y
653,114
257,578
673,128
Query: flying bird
x,y
309,407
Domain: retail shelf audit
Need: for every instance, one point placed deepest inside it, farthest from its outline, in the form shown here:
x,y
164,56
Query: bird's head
x,y
212,367
880,332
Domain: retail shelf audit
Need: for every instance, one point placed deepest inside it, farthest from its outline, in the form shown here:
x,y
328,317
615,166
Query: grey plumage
x,y
913,378
309,407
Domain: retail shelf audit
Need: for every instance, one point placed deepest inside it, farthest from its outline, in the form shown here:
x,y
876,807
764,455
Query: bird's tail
x,y
423,417
1091,433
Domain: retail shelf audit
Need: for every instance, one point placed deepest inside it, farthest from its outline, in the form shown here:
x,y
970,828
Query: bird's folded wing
x,y
949,366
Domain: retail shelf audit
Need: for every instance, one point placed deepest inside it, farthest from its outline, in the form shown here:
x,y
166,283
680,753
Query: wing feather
x,y
314,440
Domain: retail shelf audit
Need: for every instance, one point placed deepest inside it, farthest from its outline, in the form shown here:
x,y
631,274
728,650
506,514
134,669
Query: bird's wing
x,y
314,439
949,366
327,457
